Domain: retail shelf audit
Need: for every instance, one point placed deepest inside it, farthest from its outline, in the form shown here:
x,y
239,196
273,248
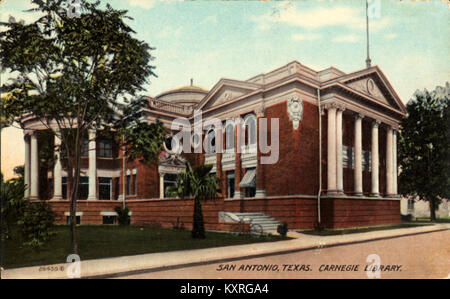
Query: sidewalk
x,y
119,266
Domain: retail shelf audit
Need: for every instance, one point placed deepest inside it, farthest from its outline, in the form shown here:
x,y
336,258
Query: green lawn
x,y
363,229
427,220
110,241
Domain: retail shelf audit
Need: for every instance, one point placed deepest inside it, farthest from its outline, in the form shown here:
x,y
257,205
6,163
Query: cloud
x,y
320,17
28,17
306,36
145,4
348,38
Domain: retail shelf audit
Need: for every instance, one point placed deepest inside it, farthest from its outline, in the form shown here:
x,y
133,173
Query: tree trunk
x,y
198,226
433,209
75,179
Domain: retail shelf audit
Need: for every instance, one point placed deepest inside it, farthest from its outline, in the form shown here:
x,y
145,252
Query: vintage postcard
x,y
225,139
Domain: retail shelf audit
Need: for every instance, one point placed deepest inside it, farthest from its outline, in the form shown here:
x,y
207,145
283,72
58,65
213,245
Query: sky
x,y
210,40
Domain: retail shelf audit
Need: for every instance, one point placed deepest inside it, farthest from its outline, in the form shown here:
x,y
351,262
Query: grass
x,y
111,241
354,230
427,220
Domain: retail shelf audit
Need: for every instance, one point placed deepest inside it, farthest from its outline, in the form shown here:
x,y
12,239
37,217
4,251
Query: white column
x,y
358,155
161,185
375,190
57,180
331,156
340,171
27,168
92,166
389,170
394,162
34,182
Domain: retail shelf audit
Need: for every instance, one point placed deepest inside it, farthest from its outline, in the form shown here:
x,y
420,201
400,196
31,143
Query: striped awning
x,y
249,179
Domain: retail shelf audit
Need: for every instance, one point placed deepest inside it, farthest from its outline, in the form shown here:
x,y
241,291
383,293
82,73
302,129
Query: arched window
x,y
196,140
229,136
250,129
211,136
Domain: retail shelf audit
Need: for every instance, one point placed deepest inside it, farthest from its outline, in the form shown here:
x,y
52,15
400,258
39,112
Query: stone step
x,y
255,214
260,219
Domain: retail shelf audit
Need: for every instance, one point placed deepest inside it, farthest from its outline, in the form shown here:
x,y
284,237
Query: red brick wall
x,y
91,210
298,212
341,212
296,171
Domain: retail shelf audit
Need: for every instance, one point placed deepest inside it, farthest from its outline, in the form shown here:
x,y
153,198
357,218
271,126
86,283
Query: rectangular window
x,y
250,192
85,147
83,187
109,219
128,186
367,160
116,188
169,180
249,182
105,148
134,184
105,188
64,187
348,158
230,184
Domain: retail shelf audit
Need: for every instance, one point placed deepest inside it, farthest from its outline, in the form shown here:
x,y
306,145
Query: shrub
x,y
407,217
35,223
12,200
282,229
123,217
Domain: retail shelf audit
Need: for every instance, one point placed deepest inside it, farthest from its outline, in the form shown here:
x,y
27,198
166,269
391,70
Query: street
x,y
418,256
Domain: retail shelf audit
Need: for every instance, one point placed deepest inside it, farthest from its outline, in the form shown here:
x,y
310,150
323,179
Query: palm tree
x,y
200,184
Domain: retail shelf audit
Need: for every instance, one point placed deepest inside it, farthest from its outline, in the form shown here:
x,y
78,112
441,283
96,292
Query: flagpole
x,y
368,61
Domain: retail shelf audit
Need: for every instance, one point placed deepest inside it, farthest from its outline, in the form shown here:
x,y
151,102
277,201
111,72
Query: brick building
x,y
336,159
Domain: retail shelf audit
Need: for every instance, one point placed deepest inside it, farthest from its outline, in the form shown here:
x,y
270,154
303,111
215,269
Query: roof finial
x,y
192,82
368,61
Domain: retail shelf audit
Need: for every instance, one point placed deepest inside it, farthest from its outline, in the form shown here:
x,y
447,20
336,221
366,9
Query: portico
x,y
335,153
31,167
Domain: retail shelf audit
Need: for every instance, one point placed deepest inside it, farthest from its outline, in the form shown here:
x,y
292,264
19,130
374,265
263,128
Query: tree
x,y
199,183
77,73
424,147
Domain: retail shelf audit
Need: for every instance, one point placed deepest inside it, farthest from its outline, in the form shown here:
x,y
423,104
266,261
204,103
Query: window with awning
x,y
249,179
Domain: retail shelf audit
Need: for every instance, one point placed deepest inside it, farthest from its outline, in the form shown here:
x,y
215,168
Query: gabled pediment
x,y
369,86
226,90
374,84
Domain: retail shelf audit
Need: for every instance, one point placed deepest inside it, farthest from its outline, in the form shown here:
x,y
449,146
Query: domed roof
x,y
184,95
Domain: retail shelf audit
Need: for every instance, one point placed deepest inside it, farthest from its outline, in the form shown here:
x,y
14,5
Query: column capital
x,y
330,106
340,107
376,123
359,116
27,133
236,116
260,111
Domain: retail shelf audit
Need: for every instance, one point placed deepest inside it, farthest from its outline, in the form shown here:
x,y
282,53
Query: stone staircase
x,y
266,222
